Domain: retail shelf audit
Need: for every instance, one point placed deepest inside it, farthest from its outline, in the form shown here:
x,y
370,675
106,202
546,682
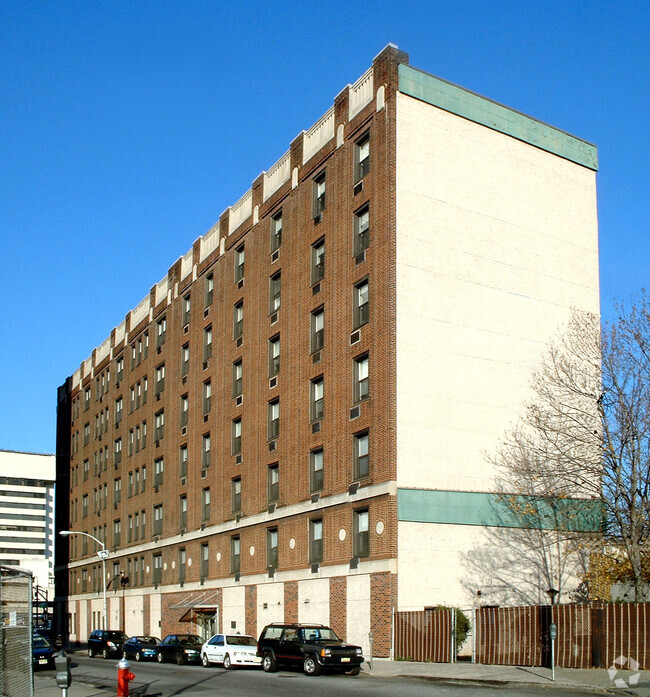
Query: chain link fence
x,y
16,678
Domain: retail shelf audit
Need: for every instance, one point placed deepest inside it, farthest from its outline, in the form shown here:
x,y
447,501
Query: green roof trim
x,y
473,107
499,510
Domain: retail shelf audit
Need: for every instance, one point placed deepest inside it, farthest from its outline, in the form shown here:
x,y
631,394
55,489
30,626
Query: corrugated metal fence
x,y
587,635
15,633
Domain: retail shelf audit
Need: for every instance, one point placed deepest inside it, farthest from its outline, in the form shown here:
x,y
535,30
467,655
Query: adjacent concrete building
x,y
27,514
292,424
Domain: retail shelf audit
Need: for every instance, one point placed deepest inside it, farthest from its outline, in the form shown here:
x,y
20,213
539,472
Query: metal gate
x,y
15,633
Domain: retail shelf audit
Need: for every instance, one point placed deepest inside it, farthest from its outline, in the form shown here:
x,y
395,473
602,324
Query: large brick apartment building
x,y
292,425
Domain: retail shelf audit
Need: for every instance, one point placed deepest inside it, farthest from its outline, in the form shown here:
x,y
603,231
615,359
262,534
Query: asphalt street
x,y
170,680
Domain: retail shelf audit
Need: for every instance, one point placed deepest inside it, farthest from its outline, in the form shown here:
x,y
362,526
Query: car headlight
x,y
325,652
110,645
359,652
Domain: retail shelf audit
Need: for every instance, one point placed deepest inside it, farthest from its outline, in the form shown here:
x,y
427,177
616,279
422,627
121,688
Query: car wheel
x,y
310,665
180,659
205,660
269,664
138,656
353,671
105,654
160,658
226,662
91,653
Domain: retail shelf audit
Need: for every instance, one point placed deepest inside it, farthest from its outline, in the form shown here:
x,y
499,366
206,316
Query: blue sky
x,y
131,126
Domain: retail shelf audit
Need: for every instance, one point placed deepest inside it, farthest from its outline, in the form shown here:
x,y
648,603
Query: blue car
x,y
141,648
42,652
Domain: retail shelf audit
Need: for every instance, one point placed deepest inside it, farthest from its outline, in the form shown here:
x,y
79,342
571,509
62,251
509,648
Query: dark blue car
x,y
141,648
42,652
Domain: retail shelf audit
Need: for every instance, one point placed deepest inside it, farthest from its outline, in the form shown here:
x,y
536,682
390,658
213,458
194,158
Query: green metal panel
x,y
475,108
499,510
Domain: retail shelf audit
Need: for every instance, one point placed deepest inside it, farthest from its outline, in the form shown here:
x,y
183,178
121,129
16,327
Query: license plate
x,y
345,660
42,660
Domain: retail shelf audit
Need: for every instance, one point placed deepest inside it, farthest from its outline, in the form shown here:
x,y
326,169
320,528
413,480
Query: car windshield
x,y
319,634
241,640
116,636
189,639
39,643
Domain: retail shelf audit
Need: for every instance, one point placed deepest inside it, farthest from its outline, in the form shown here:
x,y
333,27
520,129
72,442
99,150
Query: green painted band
x,y
473,107
499,510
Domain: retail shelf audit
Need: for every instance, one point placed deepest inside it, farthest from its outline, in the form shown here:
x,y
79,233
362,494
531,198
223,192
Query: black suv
x,y
312,645
107,642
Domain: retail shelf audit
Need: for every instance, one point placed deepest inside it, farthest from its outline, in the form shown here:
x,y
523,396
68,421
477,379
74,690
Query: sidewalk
x,y
595,679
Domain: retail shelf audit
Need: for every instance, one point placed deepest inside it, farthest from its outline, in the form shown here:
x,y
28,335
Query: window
x,y
207,396
276,231
209,289
273,481
316,399
275,289
119,409
161,332
160,379
362,157
237,374
272,548
187,305
119,369
159,425
234,554
207,343
236,494
157,569
361,230
360,310
117,533
158,519
274,356
318,261
238,316
117,452
117,490
182,511
361,385
361,455
205,450
205,560
236,437
158,471
361,542
143,478
205,504
86,434
274,419
316,470
185,359
317,330
185,407
239,263
182,559
129,529
87,399
182,461
315,541
318,196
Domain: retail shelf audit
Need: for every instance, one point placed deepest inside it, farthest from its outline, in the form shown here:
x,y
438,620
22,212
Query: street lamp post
x,y
103,555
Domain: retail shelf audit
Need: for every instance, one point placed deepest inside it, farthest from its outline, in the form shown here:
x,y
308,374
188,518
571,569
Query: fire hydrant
x,y
123,677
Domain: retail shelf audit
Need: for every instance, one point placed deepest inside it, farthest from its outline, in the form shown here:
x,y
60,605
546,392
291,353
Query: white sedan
x,y
231,650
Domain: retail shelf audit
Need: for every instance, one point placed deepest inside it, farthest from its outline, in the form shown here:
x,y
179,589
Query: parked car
x,y
182,648
42,652
231,650
107,642
312,645
141,647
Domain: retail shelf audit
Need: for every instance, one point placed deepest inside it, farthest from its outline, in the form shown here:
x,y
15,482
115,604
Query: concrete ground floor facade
x,y
357,605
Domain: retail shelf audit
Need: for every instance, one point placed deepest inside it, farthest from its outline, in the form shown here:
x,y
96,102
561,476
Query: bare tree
x,y
585,434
